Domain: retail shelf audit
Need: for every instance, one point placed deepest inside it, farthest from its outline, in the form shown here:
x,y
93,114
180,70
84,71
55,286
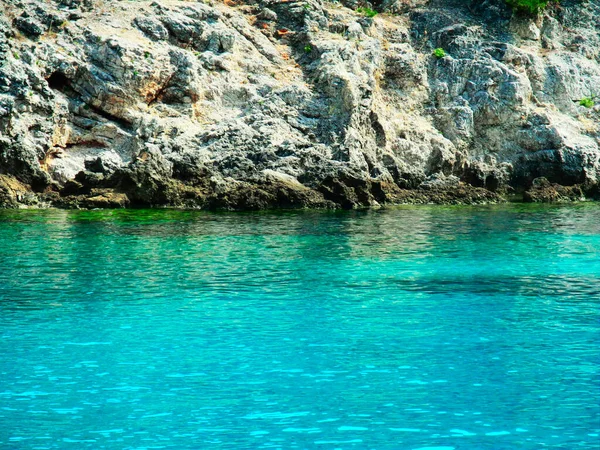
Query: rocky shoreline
x,y
262,104
334,193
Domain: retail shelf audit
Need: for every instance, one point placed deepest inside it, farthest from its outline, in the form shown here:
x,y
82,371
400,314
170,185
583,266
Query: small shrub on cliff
x,y
307,48
587,102
439,53
367,12
529,6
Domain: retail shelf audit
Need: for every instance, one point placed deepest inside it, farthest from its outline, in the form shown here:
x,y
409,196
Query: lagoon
x,y
402,328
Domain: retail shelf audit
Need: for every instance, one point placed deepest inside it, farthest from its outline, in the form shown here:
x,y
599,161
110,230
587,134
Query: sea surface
x,y
431,328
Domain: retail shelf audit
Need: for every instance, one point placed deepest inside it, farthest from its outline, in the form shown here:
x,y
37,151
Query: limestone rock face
x,y
280,103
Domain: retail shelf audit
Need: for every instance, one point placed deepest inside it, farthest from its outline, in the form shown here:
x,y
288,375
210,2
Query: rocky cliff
x,y
286,103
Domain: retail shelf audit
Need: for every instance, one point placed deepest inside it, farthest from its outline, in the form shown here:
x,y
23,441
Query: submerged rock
x,y
252,105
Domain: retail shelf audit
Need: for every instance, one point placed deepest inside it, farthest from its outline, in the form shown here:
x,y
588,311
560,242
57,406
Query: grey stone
x,y
105,163
210,105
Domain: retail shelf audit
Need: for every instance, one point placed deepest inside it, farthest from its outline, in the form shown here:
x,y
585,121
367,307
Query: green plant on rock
x,y
529,6
588,102
439,53
307,48
367,12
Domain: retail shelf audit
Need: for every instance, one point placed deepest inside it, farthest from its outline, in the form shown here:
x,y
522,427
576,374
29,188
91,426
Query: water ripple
x,y
419,328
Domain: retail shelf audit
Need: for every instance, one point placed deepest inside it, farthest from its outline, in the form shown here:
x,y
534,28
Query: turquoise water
x,y
410,328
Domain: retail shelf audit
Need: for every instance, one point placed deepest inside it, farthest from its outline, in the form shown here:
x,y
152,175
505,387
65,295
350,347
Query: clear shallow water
x,y
428,327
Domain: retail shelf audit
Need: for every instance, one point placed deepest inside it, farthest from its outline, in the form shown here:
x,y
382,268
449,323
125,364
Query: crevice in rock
x,y
380,138
58,81
151,99
122,123
88,144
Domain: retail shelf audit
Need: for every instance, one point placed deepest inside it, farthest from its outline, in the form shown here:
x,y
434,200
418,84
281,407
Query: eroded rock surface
x,y
280,103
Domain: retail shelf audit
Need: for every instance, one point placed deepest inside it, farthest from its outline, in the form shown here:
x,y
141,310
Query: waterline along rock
x,y
242,104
